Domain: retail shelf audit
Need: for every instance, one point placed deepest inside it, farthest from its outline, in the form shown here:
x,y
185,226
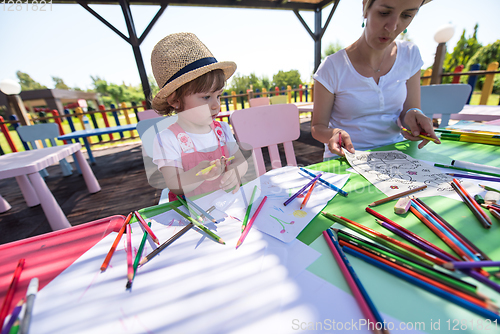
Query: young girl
x,y
191,82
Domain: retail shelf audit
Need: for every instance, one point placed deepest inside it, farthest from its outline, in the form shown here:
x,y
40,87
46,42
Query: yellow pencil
x,y
421,136
209,168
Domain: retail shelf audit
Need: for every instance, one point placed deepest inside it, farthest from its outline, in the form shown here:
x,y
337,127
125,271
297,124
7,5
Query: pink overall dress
x,y
192,159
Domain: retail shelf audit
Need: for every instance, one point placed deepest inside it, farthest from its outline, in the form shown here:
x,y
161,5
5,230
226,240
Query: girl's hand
x,y
419,123
230,180
214,173
340,139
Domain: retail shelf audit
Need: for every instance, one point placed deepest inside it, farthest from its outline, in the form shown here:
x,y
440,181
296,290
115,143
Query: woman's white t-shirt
x,y
168,153
367,111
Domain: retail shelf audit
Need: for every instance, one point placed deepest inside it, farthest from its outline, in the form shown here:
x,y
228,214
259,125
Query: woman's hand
x,y
340,139
418,124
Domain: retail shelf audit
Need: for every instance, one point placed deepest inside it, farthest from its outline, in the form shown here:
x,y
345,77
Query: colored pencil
x,y
475,177
24,325
250,223
428,287
471,264
482,254
130,263
495,213
355,289
146,227
306,198
201,211
10,292
326,183
389,242
209,168
422,136
301,190
166,244
471,297
138,256
13,317
249,209
202,227
486,222
489,188
406,262
15,327
105,264
390,198
437,250
194,213
470,253
467,170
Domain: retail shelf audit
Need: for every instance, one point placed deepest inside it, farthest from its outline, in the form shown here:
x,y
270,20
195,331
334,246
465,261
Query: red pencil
x,y
473,205
250,223
105,264
146,227
10,292
130,265
306,198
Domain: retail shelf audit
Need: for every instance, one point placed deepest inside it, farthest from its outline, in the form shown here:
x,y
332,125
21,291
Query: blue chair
x,y
440,101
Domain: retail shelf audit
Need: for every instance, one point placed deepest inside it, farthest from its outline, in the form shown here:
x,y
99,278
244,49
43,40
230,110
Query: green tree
x,y
282,79
27,83
59,83
465,49
240,83
485,56
331,49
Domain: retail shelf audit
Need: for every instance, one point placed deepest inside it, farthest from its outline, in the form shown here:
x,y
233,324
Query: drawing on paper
x,y
393,172
282,223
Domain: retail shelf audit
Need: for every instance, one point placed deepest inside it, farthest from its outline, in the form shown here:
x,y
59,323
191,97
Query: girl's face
x,y
386,19
201,116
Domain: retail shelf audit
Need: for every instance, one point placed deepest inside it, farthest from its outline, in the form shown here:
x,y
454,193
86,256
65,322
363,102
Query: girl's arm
x,y
323,105
413,119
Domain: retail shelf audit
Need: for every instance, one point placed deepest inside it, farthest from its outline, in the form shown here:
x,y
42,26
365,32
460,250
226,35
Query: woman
x,y
364,93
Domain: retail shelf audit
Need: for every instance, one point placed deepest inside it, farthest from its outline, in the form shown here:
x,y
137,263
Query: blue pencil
x,y
361,288
441,293
326,183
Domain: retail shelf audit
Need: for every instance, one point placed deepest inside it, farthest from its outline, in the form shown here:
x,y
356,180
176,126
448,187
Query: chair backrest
x,y
259,101
148,129
440,101
42,132
278,99
147,114
262,126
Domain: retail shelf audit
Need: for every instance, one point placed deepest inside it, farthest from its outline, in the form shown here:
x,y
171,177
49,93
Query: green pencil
x,y
197,224
489,188
189,208
249,208
140,250
467,170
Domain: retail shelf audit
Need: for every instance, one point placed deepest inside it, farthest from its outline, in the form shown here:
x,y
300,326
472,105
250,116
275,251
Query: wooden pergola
x,y
135,41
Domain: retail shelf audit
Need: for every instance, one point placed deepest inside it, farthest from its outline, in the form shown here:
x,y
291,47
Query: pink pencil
x,y
250,223
146,227
350,281
130,265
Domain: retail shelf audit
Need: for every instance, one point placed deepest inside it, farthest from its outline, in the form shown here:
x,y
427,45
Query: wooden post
x,y
472,79
127,117
226,100
306,92
79,114
289,93
57,120
456,78
301,92
437,68
488,83
235,101
242,100
276,90
105,119
264,91
427,81
312,92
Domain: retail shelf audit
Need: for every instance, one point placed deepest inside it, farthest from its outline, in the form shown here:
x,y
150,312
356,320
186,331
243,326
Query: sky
x,y
68,42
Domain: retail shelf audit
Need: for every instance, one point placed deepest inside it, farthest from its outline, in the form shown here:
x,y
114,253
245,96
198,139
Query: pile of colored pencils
x,y
471,204
415,265
471,137
494,209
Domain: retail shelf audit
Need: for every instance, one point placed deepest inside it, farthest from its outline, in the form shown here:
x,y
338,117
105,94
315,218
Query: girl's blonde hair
x,y
209,82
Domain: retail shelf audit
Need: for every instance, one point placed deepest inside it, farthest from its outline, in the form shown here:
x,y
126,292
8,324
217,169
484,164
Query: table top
x,y
27,162
98,131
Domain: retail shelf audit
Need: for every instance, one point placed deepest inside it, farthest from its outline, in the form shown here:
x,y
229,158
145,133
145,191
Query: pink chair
x,y
268,126
147,114
259,101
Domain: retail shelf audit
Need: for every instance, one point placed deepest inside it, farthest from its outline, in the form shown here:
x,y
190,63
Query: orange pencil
x,y
115,243
130,265
10,292
306,198
146,227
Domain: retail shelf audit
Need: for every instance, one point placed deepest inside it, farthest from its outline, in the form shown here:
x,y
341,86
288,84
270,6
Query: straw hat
x,y
180,58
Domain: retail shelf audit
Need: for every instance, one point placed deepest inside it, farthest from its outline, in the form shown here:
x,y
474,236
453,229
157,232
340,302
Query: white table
x,y
25,167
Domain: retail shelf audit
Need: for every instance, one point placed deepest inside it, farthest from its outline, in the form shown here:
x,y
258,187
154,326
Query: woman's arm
x,y
413,119
323,105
